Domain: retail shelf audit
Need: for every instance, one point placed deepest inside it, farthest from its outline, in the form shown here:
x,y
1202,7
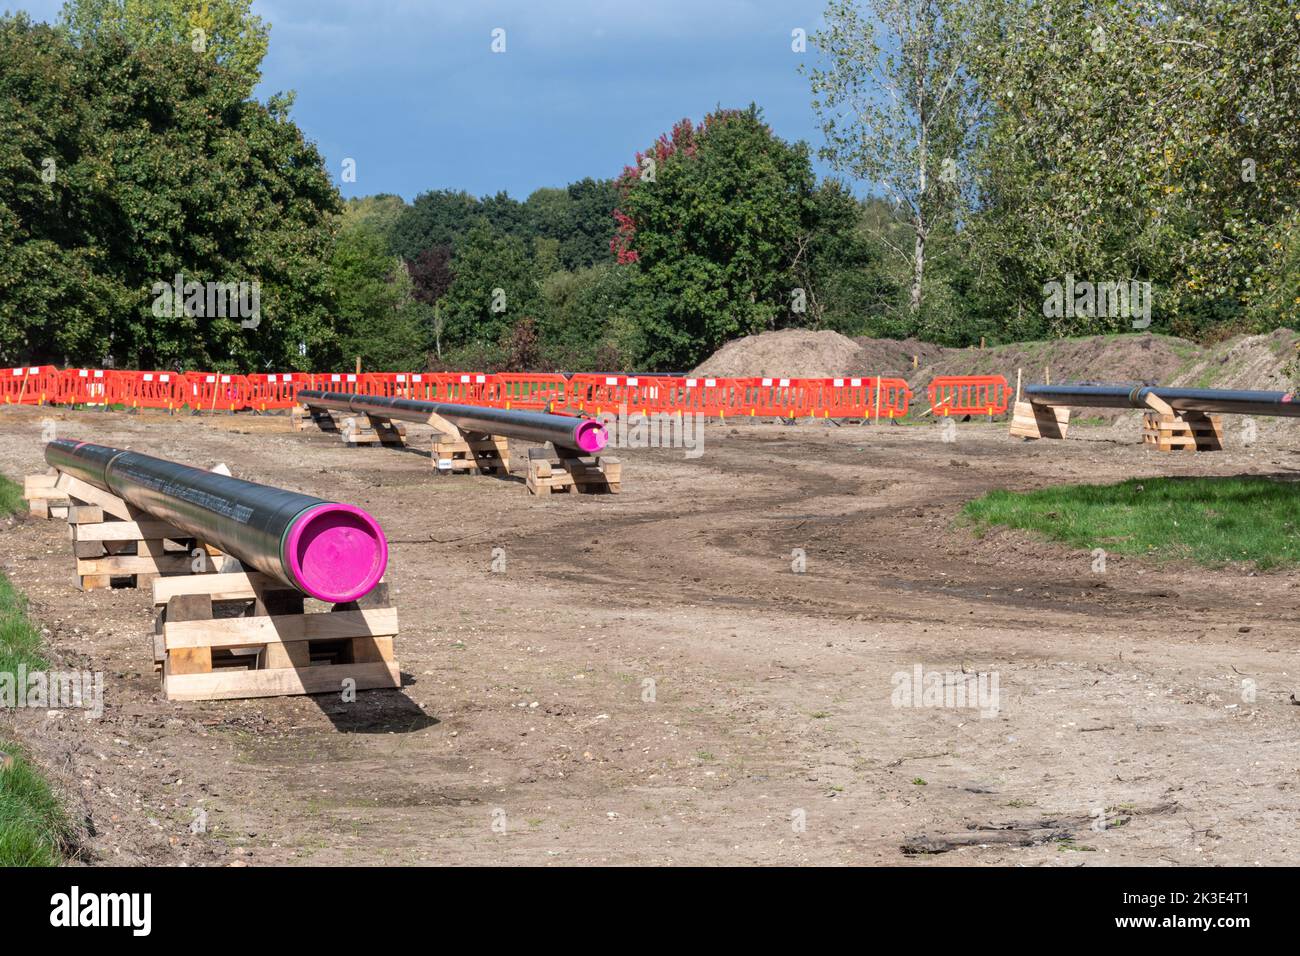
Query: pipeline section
x,y
1212,400
333,552
583,435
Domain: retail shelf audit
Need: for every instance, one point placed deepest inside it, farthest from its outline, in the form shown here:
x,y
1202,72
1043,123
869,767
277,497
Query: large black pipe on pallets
x,y
581,435
333,552
1211,400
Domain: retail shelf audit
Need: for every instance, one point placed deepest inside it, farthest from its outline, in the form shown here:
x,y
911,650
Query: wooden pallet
x,y
470,453
1031,420
245,634
355,428
548,473
44,500
116,544
1191,431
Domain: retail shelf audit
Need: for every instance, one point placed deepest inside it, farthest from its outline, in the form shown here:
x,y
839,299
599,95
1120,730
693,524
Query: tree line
x,y
1011,149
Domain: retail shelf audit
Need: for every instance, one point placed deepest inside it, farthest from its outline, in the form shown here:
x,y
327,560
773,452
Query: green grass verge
x,y
11,497
1211,521
34,830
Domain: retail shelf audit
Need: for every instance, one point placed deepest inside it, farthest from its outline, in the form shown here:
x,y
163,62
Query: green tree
x,y
225,30
900,111
377,315
1190,185
122,170
495,286
712,220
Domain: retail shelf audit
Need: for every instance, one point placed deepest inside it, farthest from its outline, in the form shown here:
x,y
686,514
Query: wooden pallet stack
x,y
549,473
1190,431
116,544
470,453
1030,420
44,500
355,429
244,634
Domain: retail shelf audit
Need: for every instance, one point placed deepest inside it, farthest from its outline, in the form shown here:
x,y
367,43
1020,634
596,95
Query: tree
x,y
1190,186
225,30
436,218
431,274
712,219
123,170
494,286
900,111
379,213
377,315
579,217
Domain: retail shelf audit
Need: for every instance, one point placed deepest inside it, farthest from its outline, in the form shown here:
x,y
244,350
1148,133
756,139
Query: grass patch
x,y
34,830
11,497
1211,521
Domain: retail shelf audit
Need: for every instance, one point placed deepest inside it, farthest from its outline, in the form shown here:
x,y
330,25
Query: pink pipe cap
x,y
336,553
591,436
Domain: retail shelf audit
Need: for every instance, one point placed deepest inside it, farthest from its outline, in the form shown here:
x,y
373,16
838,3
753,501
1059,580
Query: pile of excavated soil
x,y
789,353
1246,361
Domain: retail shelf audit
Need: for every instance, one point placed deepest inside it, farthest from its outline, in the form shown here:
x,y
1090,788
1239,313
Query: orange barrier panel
x,y
81,386
467,388
611,393
273,390
523,390
146,389
969,394
209,391
28,385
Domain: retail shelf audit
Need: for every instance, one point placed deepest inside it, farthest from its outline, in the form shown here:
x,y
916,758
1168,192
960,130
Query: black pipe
x,y
334,552
582,435
1213,400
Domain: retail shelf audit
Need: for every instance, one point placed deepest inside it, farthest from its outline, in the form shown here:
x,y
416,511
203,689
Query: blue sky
x,y
412,91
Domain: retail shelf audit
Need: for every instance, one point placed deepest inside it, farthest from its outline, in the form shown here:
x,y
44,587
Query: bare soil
x,y
1157,697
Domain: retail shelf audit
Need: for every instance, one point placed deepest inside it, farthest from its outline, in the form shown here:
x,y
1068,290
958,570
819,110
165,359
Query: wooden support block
x,y
187,608
1192,431
85,514
86,493
281,681
274,648
470,453
228,586
1031,420
547,475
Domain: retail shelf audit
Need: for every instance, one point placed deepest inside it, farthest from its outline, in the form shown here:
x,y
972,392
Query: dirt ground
x,y
650,681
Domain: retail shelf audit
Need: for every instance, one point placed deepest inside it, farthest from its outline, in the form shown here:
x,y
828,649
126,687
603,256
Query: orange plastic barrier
x,y
786,398
273,390
969,394
81,386
612,393
209,391
146,389
28,385
524,390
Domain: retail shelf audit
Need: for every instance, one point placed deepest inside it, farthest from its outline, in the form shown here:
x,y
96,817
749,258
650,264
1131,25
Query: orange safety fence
x,y
82,386
528,391
969,395
273,390
862,398
214,391
28,385
146,389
